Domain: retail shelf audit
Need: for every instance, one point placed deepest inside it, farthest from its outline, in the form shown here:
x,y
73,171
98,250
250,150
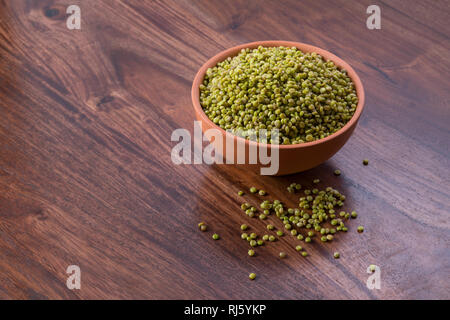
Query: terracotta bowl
x,y
292,158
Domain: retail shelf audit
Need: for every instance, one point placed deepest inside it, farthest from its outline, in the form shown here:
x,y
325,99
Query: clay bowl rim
x,y
231,52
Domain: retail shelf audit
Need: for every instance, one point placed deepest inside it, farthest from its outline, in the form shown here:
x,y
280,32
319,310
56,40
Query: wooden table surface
x,y
86,176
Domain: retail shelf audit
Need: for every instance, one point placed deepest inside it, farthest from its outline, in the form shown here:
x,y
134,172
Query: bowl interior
x,y
195,92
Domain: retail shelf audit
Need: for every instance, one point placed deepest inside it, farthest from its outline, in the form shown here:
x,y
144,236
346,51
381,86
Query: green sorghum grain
x,y
215,236
251,252
298,248
245,206
252,276
272,238
262,193
282,255
307,239
336,255
294,232
301,94
253,235
253,243
270,227
244,227
316,181
253,190
360,229
337,172
260,242
304,253
262,216
365,162
310,234
202,226
354,215
244,236
330,237
240,193
300,237
265,237
323,239
372,268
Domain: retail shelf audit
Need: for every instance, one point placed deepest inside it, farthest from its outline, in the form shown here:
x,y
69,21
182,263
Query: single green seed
x,y
251,252
270,227
203,227
304,253
336,255
272,238
262,216
253,243
215,236
245,206
240,193
252,276
310,234
244,236
329,237
316,181
372,268
260,242
280,233
251,214
298,248
354,215
265,237
294,232
307,239
365,162
244,227
287,226
253,235
337,172
262,193
360,229
300,237
282,255
323,239
253,190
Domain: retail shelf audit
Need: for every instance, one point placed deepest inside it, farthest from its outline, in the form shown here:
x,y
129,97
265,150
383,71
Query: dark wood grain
x,y
86,176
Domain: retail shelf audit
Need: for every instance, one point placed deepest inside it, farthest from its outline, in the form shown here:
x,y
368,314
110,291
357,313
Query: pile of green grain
x,y
303,96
